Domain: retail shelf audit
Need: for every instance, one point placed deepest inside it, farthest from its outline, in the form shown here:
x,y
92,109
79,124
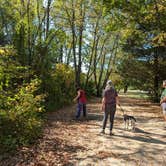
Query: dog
x,y
129,122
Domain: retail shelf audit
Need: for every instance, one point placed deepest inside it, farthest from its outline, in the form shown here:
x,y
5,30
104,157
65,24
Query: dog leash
x,y
122,109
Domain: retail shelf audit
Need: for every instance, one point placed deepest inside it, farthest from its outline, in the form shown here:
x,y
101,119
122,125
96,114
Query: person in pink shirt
x,y
81,102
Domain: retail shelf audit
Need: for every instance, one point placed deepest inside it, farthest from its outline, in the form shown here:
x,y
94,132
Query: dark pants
x,y
81,107
109,110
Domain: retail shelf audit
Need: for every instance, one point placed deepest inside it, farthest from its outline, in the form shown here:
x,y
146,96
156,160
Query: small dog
x,y
129,122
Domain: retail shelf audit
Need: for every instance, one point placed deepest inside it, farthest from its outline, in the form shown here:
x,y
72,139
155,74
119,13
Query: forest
x,y
50,47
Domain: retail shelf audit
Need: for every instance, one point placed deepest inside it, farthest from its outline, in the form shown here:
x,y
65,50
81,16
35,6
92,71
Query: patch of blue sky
x,y
147,46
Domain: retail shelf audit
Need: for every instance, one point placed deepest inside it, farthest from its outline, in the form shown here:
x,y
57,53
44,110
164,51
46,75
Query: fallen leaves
x,y
68,142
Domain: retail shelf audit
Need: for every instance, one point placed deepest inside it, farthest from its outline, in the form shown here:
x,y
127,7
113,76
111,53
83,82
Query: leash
x,y
122,109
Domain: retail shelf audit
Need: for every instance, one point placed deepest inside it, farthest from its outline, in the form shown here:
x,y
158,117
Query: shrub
x,y
59,86
21,123
90,89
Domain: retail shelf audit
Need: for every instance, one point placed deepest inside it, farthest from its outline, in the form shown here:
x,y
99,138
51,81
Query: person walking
x,y
81,102
163,100
109,101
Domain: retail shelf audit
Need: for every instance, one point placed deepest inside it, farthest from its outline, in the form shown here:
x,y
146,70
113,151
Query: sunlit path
x,y
70,142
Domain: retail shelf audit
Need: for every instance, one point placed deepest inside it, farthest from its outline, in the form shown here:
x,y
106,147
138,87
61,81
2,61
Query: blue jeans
x,y
109,110
81,107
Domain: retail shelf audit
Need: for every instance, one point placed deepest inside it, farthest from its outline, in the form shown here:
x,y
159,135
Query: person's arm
x,y
103,104
78,96
103,101
163,100
117,100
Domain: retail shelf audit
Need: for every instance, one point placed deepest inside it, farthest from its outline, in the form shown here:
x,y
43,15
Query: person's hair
x,y
109,82
109,85
78,88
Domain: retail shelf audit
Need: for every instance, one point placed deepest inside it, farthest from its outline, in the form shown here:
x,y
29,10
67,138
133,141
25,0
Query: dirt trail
x,y
78,143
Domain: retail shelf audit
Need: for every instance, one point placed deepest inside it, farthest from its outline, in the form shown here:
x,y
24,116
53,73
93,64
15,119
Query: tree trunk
x,y
156,76
103,58
74,44
82,14
92,53
29,34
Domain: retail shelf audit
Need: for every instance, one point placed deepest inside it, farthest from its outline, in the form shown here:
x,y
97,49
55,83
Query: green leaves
x,y
145,45
20,123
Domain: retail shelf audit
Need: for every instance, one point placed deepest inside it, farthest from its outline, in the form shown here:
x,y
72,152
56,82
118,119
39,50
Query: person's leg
x,y
84,110
105,119
106,113
79,107
112,114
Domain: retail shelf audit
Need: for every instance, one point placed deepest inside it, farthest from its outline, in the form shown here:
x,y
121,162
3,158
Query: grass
x,y
136,94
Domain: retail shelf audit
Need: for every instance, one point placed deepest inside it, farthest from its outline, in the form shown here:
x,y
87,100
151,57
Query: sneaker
x,y
102,132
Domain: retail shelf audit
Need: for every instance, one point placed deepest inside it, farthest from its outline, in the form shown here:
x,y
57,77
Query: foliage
x,y
117,81
59,87
89,88
21,123
21,103
12,75
143,45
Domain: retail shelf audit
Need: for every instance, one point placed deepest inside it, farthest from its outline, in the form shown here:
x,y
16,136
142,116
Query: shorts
x,y
163,106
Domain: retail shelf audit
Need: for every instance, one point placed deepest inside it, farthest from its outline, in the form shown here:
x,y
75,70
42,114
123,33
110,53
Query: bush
x,y
59,87
21,123
90,89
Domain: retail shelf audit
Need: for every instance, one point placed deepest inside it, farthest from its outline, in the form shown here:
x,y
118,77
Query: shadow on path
x,y
143,139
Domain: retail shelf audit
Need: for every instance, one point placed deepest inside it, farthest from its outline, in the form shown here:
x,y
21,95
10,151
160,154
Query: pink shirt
x,y
82,98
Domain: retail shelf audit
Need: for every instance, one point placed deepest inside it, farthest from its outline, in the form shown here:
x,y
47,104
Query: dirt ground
x,y
70,142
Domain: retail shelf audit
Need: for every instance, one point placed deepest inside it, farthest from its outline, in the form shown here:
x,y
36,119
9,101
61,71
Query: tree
x,y
145,43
